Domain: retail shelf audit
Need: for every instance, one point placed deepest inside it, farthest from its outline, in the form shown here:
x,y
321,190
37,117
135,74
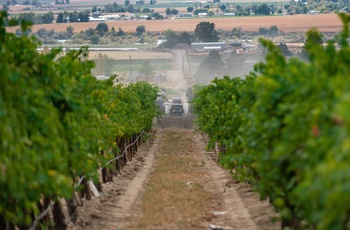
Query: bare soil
x,y
173,183
290,23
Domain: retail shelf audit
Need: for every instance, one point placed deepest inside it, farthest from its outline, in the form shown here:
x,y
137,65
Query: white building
x,y
202,46
92,19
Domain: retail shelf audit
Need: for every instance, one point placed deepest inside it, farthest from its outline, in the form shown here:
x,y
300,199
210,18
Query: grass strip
x,y
172,196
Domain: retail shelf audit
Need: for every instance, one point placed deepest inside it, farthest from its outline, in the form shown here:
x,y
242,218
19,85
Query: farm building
x,y
235,44
202,46
92,19
229,14
111,17
183,15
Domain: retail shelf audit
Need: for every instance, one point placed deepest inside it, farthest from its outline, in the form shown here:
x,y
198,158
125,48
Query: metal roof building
x,y
201,46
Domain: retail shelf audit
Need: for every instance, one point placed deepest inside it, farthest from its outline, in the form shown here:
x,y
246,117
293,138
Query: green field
x,y
118,66
136,64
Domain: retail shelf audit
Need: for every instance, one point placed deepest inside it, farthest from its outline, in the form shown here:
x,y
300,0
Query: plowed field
x,y
292,23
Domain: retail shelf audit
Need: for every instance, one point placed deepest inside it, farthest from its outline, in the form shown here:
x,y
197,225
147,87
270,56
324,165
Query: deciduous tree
x,y
205,32
102,28
60,18
48,18
140,29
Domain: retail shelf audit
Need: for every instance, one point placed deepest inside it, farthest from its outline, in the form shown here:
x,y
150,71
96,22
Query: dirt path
x,y
173,183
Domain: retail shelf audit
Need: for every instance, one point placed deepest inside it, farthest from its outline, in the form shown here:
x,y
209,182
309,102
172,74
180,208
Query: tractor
x,y
175,115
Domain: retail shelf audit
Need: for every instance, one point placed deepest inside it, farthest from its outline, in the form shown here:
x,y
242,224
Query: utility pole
x,y
183,65
130,76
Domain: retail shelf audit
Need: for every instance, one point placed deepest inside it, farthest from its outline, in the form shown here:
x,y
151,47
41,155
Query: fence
x,y
127,146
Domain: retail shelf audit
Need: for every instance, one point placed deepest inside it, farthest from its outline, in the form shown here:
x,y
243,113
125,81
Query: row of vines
x,y
285,129
58,124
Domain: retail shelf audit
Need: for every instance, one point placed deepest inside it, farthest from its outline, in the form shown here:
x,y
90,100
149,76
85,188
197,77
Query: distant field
x,y
120,62
87,4
158,65
122,55
101,2
159,7
290,23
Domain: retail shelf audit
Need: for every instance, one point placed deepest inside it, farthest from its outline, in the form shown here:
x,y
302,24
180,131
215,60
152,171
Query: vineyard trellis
x,y
58,125
123,158
284,129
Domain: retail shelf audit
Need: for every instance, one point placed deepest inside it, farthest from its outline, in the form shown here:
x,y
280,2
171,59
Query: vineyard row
x,y
58,126
285,129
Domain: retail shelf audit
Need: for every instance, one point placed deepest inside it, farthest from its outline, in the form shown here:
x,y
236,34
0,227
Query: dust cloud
x,y
175,70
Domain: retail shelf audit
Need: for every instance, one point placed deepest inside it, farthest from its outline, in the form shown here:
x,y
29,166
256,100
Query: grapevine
x,y
284,129
55,119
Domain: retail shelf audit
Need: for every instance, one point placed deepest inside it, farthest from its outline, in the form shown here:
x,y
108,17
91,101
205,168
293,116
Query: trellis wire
x,y
46,211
